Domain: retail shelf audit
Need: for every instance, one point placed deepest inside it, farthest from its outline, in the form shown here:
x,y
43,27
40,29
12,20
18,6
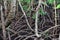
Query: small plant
x,y
41,12
25,4
58,6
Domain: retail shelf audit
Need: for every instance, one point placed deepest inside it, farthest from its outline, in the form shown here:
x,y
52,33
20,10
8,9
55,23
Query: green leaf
x,y
50,1
41,12
21,0
34,16
28,1
25,7
58,6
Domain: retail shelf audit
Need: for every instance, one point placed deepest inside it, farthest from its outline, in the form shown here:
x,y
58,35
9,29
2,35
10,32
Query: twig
x,y
29,36
48,29
59,36
11,30
9,35
55,13
17,37
5,6
36,20
25,16
55,16
3,24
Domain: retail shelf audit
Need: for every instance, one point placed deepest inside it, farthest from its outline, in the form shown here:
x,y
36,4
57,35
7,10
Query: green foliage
x,y
25,7
34,16
27,1
58,1
41,12
58,6
21,0
50,1
25,4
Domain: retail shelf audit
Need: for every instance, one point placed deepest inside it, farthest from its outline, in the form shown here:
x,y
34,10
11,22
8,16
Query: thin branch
x,y
17,37
29,36
11,30
3,24
55,13
59,36
36,20
5,6
9,35
55,16
49,29
25,16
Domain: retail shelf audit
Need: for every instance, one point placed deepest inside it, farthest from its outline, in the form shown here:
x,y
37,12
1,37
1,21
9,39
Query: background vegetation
x,y
29,19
